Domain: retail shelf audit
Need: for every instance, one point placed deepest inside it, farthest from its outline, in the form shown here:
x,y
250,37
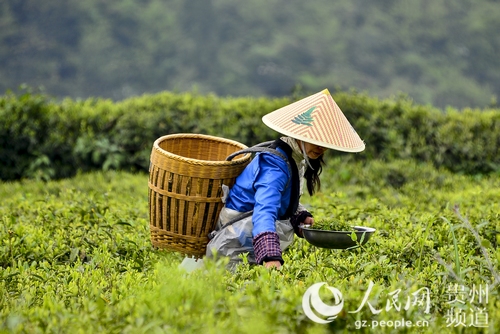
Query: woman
x,y
262,210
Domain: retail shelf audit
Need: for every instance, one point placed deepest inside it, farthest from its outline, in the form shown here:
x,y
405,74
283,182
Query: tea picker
x,y
262,210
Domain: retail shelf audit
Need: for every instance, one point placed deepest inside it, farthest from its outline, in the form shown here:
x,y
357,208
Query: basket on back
x,y
186,175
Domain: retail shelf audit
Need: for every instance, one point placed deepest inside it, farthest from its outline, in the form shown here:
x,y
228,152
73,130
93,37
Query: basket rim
x,y
236,161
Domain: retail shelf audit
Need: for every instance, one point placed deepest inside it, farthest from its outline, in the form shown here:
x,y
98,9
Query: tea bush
x,y
75,256
45,139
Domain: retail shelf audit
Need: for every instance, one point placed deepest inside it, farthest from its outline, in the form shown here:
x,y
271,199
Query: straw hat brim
x,y
318,120
313,141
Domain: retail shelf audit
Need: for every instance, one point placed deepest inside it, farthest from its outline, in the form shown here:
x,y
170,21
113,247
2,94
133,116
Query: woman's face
x,y
313,151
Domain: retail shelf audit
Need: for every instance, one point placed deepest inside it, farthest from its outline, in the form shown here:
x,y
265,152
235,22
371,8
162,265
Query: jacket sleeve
x,y
270,185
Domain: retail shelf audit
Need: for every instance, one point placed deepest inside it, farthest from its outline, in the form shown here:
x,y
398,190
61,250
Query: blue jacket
x,y
265,187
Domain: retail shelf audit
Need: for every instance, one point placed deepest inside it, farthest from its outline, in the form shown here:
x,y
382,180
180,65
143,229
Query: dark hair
x,y
312,175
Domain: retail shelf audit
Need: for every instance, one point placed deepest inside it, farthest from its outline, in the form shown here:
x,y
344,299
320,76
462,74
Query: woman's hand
x,y
273,264
309,221
300,218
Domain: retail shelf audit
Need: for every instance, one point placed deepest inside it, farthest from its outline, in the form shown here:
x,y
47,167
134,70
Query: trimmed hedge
x,y
47,139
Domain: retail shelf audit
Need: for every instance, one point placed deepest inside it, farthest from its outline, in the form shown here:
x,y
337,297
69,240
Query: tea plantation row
x,y
45,139
75,257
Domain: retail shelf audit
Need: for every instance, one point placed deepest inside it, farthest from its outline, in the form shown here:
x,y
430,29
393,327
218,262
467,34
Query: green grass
x,y
75,257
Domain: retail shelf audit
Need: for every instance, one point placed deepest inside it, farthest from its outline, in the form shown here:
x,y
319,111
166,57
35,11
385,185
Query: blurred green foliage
x,y
439,52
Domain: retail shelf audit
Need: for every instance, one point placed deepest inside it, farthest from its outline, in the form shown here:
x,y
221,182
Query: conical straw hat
x,y
318,120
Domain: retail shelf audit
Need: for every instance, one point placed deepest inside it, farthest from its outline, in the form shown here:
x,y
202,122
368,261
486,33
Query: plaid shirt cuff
x,y
266,247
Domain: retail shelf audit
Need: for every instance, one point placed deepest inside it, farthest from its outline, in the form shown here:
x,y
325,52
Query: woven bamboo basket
x,y
186,175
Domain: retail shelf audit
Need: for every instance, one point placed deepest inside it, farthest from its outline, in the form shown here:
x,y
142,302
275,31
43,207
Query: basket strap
x,y
262,147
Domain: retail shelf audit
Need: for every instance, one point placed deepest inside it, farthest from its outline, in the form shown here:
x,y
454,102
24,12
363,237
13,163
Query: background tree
x,y
438,52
